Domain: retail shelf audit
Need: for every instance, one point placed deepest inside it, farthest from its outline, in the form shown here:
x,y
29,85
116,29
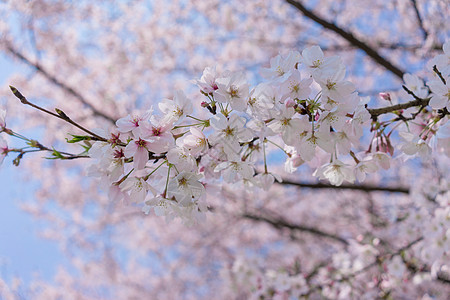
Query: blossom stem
x,y
200,120
184,126
147,176
167,181
278,146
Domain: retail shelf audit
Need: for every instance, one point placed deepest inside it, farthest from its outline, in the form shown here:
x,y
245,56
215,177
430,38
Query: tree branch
x,y
419,19
58,83
60,114
280,223
375,112
364,188
372,53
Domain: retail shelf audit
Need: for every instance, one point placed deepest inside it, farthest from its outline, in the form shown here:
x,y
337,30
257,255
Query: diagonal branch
x,y
57,82
280,223
364,188
375,112
419,19
372,53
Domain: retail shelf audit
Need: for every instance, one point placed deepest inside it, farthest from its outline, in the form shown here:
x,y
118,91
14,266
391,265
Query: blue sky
x,y
23,253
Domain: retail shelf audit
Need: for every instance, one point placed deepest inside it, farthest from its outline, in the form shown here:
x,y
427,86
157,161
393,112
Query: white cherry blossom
x,y
196,142
207,82
185,187
176,110
233,89
441,94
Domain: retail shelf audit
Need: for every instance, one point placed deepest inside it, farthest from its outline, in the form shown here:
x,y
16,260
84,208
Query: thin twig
x,y
60,114
280,223
419,19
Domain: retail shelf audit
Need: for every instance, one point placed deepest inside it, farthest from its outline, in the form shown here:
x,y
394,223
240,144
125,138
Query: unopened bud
x,y
385,96
18,95
317,116
290,103
204,104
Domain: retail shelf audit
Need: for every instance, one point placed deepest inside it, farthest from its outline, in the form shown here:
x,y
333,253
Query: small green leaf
x,y
78,138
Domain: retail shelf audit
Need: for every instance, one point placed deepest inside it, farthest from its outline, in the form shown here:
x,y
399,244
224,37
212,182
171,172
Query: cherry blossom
x,y
441,94
213,172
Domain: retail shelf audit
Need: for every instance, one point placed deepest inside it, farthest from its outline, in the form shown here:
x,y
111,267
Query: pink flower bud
x,y
204,104
289,103
385,96
297,161
317,116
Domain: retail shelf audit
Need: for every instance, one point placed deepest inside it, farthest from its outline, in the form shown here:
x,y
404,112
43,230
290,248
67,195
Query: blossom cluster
x,y
305,107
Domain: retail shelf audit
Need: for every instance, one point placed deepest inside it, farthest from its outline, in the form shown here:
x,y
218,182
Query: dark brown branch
x,y
375,112
58,83
281,223
60,114
419,19
372,53
438,73
364,188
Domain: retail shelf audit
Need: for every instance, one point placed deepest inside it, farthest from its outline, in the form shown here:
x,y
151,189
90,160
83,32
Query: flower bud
x,y
385,96
290,103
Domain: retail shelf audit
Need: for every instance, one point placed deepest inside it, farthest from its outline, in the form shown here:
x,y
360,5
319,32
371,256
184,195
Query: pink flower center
x,y
141,143
156,131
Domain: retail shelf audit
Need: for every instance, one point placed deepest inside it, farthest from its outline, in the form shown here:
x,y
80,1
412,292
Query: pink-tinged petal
x,y
438,101
130,149
140,158
218,122
2,118
197,132
126,124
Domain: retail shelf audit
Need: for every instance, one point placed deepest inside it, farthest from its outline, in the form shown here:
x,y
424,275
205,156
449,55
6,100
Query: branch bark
x,y
281,223
364,188
372,53
58,83
419,19
375,112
